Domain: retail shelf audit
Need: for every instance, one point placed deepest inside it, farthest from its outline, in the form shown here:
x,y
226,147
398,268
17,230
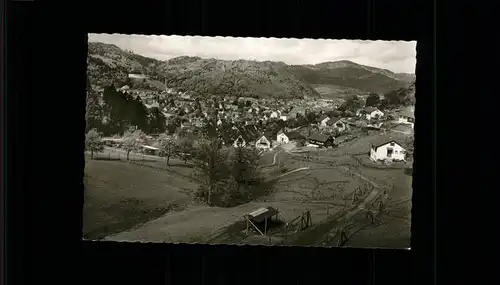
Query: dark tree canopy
x,y
122,110
352,103
373,100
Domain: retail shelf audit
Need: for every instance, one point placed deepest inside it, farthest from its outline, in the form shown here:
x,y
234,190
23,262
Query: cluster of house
x,y
251,136
247,114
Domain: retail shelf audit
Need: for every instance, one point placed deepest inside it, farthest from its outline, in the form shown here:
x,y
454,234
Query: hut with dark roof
x,y
321,140
260,219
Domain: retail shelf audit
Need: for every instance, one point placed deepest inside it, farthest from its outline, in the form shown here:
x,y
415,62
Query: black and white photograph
x,y
249,141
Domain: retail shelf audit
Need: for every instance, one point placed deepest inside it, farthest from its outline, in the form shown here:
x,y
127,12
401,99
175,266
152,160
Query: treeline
x,y
228,177
119,111
392,99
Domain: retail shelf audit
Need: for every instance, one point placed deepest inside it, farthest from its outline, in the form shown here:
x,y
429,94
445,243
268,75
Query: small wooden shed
x,y
259,219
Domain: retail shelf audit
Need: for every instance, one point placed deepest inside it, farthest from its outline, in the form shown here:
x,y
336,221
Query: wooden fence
x,y
299,223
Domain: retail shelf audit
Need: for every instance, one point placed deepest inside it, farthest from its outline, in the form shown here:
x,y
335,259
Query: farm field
x,y
120,195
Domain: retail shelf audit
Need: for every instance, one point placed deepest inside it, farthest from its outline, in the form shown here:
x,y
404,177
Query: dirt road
x,y
203,223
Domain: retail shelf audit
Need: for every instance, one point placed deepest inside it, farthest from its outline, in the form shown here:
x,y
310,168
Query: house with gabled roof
x,y
320,140
323,120
386,148
369,113
239,141
338,124
282,138
284,116
244,136
263,142
406,117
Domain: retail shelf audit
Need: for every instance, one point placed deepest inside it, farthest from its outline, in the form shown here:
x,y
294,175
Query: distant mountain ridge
x,y
109,64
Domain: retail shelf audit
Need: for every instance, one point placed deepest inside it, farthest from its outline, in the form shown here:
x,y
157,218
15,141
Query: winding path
x,y
341,219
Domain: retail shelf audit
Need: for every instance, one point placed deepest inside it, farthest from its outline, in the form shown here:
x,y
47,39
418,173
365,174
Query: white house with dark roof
x,y
323,120
263,143
239,142
387,149
406,117
369,113
282,138
338,124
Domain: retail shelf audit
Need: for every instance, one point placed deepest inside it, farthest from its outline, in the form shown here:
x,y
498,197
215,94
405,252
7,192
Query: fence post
x,y
285,232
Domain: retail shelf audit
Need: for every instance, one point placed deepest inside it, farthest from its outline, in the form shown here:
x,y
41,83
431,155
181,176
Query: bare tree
x,y
93,142
132,140
244,167
167,146
212,170
185,147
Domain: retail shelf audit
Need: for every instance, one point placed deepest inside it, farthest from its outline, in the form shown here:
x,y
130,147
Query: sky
x,y
397,56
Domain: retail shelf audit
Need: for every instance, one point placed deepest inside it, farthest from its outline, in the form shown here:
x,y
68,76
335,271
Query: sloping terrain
x,y
349,74
108,64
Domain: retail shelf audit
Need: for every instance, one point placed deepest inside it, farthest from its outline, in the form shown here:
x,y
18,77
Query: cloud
x,y
397,56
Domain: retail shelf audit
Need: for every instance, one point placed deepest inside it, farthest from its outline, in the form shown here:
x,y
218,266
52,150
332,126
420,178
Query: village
x,y
266,124
297,140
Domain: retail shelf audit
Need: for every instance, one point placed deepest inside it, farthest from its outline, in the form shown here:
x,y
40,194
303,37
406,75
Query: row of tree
x,y
228,177
133,139
395,98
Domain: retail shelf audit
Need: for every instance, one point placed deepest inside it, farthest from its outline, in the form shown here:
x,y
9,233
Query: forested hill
x,y
109,64
353,77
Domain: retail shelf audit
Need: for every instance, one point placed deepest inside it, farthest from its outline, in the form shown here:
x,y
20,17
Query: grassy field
x,y
335,91
129,201
119,196
315,185
394,230
176,166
